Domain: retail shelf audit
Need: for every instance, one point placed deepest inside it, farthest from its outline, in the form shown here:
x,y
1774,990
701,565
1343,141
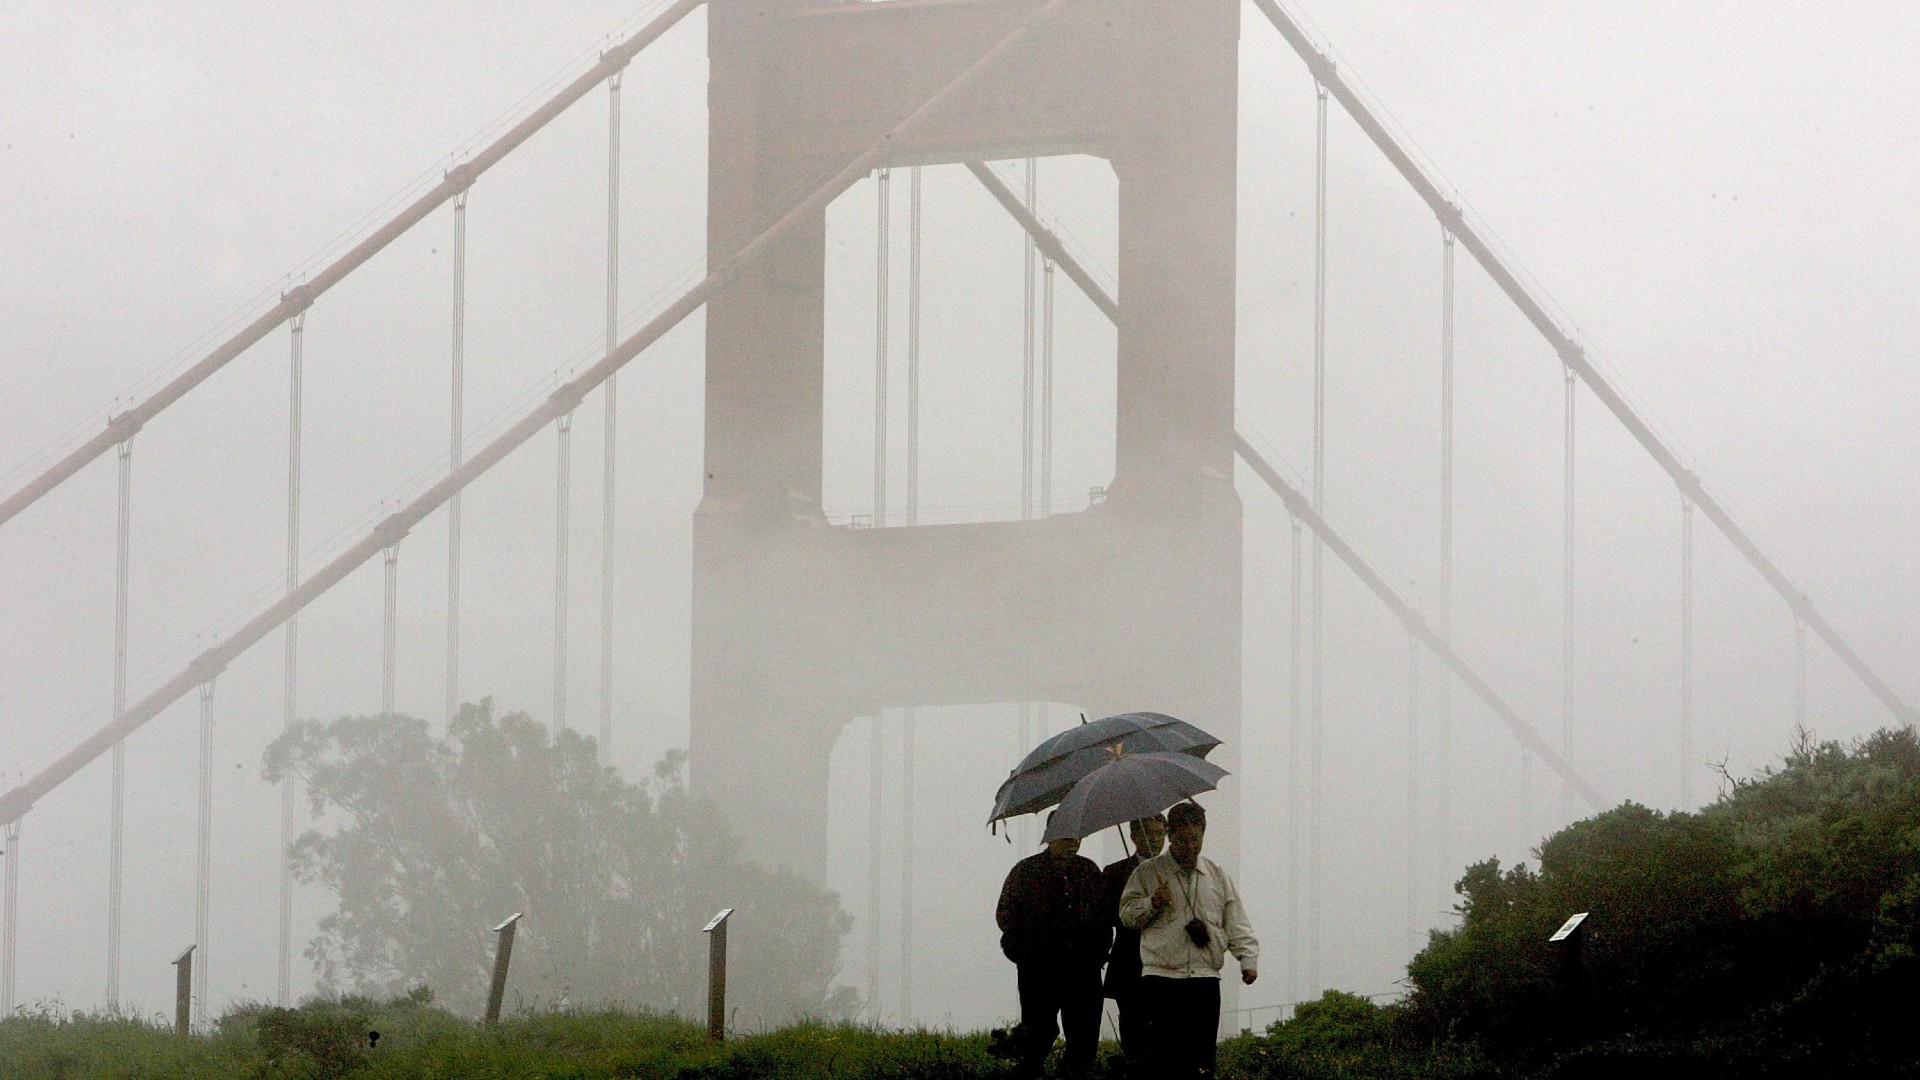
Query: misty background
x,y
1723,202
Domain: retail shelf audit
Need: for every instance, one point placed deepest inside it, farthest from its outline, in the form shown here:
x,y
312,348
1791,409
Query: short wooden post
x,y
183,992
502,956
716,931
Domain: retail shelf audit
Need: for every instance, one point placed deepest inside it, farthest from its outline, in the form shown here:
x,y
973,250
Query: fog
x,y
1723,204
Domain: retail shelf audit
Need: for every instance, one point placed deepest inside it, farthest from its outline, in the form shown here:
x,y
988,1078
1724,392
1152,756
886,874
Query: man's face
x,y
1185,842
1065,848
1149,837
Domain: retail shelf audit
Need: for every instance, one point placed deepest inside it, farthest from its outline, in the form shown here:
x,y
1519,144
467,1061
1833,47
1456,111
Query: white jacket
x,y
1165,948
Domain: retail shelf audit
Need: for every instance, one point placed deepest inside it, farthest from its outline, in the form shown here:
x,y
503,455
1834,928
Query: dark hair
x,y
1186,813
1139,825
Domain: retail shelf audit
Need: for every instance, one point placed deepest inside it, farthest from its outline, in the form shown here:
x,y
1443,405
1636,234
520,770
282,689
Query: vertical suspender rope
x,y
117,812
1566,605
1296,805
907,717
562,558
875,803
883,273
609,497
1799,672
1027,252
1046,389
389,626
882,304
203,857
1413,789
289,685
1443,774
1027,327
455,450
1686,653
1315,689
10,914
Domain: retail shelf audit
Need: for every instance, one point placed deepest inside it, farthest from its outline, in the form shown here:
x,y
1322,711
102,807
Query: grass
x,y
326,1040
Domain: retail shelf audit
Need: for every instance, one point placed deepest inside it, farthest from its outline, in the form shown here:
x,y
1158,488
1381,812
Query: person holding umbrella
x,y
1189,915
1123,963
1053,927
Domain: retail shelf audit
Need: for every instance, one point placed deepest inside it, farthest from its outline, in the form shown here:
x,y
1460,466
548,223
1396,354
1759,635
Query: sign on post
x,y
502,956
183,992
716,931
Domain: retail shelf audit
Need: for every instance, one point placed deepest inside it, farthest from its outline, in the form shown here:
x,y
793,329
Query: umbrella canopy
x,y
1129,788
1051,769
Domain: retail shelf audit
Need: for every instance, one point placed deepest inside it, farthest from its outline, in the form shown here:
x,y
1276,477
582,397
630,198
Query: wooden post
x,y
502,956
183,992
716,931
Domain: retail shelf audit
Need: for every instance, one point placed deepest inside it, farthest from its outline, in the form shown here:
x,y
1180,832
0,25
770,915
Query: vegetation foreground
x,y
1772,934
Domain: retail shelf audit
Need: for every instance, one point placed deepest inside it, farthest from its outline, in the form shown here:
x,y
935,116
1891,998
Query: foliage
x,y
1770,931
427,841
1343,1035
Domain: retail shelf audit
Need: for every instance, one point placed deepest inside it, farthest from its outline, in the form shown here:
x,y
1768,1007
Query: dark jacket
x,y
1123,963
1052,911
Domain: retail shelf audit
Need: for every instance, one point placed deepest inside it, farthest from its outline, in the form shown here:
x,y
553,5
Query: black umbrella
x,y
1051,769
1129,788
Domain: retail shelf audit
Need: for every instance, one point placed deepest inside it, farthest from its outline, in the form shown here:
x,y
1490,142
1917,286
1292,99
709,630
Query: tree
x,y
427,841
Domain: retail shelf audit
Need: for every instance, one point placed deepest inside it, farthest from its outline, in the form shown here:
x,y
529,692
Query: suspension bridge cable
x,y
17,800
203,857
907,715
1026,368
1443,772
389,627
876,744
1294,725
117,809
882,394
10,914
296,300
1316,687
609,493
289,676
455,448
1534,307
883,277
1800,673
1567,593
1686,653
562,558
1413,789
1046,389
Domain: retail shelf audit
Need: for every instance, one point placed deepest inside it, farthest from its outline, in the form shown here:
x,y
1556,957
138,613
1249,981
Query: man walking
x,y
1053,927
1189,915
1123,963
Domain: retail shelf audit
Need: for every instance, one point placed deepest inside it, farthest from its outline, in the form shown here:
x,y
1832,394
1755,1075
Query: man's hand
x,y
1247,975
1162,896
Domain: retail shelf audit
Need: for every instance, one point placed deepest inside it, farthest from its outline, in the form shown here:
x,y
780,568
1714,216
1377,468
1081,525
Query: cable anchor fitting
x,y
461,176
299,298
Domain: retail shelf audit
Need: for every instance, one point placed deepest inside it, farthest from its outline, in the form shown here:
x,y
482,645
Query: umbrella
x,y
1051,769
1129,788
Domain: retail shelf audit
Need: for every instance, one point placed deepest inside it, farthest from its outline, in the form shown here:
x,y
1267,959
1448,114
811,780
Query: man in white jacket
x,y
1189,915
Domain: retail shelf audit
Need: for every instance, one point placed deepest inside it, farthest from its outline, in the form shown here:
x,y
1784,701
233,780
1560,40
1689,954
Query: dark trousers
x,y
1136,1018
1056,996
1185,1028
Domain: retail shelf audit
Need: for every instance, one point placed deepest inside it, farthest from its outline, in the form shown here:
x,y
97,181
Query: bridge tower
x,y
799,625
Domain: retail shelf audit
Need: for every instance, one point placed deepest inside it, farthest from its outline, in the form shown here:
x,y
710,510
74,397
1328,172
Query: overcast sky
x,y
1722,200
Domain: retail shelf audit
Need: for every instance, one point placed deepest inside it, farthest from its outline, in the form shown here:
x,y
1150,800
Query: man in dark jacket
x,y
1123,963
1054,927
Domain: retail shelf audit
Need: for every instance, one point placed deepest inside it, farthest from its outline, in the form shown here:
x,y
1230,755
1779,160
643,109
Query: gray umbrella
x,y
1129,788
1051,769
